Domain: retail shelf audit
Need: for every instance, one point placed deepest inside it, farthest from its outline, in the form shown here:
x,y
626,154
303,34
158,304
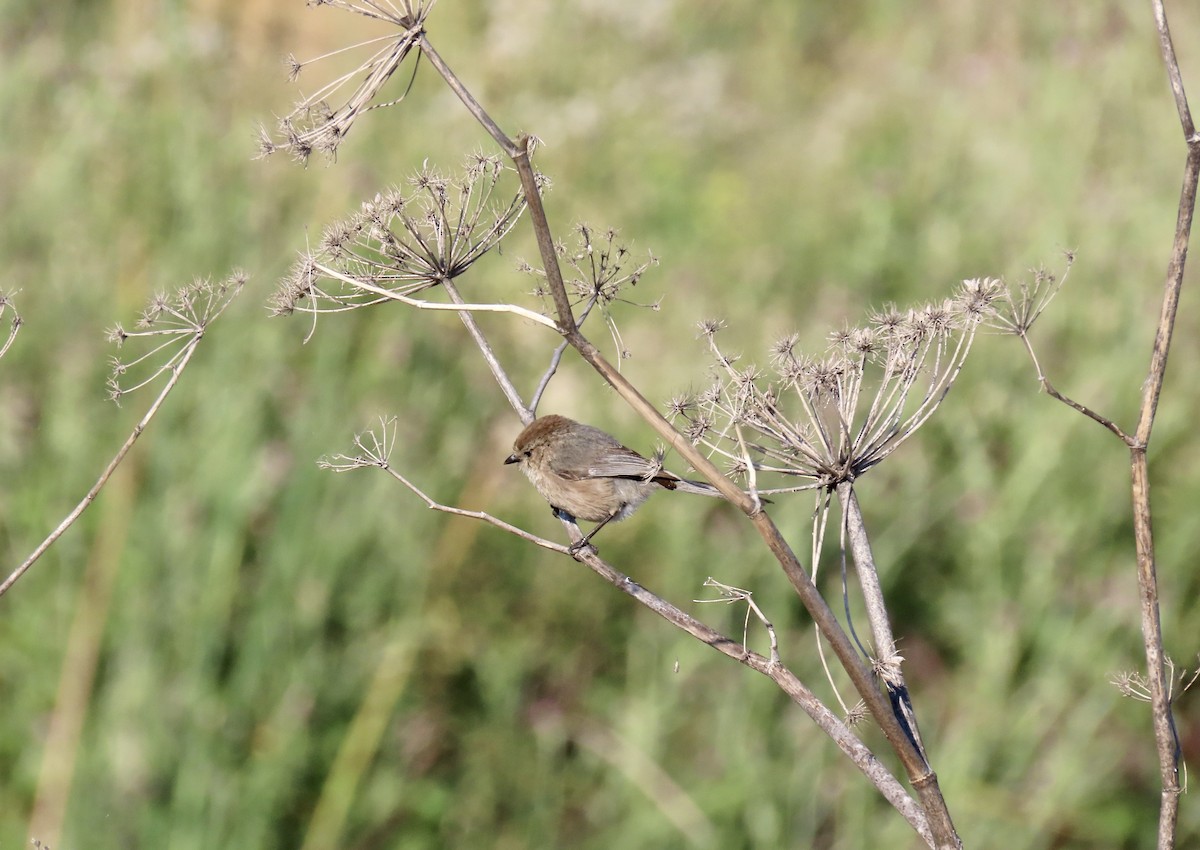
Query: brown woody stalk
x,y
922,778
1166,739
1158,665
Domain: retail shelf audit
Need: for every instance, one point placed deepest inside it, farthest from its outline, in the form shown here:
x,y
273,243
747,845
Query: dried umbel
x,y
402,242
316,125
602,270
168,331
830,418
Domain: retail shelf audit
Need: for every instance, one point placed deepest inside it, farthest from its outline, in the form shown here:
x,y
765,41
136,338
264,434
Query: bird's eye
x,y
528,454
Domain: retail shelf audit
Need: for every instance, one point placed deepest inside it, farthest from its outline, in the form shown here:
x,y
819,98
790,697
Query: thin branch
x,y
189,312
1170,303
489,355
506,144
551,370
375,448
923,779
887,663
523,312
1172,64
374,451
545,239
1069,402
69,520
555,360
731,594
787,681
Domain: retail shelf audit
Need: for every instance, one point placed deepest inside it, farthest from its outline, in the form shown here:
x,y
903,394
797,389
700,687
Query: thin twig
x,y
473,106
551,370
887,663
1176,78
556,359
1055,394
69,520
730,594
523,312
374,450
489,356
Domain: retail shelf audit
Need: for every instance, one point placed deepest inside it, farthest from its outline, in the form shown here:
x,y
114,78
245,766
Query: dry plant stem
x,y
479,515
555,359
329,271
888,659
567,325
1168,53
923,779
1165,736
485,348
176,372
868,577
771,667
506,144
787,681
1157,663
1069,402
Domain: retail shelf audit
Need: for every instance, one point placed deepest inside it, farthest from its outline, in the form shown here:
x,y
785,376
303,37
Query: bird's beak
x,y
512,458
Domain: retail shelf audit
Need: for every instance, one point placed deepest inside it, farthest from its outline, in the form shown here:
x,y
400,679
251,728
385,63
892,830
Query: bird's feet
x,y
579,545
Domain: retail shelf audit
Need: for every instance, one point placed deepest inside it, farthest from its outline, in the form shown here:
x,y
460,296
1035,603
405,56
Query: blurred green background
x,y
236,649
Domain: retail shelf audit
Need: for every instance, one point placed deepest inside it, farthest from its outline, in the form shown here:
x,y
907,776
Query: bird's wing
x,y
616,462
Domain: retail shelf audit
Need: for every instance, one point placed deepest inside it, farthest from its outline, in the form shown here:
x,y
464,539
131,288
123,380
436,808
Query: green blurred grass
x,y
793,168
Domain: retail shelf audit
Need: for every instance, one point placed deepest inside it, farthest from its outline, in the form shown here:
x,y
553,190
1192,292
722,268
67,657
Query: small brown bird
x,y
586,474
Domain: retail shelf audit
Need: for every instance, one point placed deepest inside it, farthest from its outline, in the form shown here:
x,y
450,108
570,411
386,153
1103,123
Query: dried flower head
x,y
603,271
314,124
402,242
171,326
830,419
1017,311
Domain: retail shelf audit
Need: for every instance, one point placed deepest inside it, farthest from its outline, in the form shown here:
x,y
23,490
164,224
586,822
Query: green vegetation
x,y
236,649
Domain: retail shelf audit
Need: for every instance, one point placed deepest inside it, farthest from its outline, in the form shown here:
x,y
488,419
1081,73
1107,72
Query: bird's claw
x,y
579,545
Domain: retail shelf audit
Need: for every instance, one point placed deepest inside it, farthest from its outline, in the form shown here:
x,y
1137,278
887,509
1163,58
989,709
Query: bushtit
x,y
585,473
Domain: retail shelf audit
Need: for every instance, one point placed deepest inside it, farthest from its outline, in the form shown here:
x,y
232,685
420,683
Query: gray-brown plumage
x,y
586,474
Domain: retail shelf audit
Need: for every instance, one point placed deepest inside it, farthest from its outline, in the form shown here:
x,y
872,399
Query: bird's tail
x,y
683,485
